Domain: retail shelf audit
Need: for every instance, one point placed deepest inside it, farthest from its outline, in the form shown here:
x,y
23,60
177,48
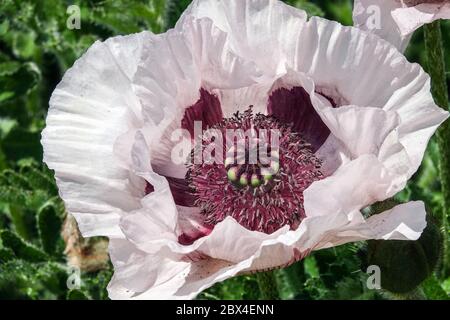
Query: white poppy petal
x,y
89,109
157,217
240,99
362,129
353,186
195,57
188,59
376,16
254,27
403,222
396,20
167,277
410,19
131,267
333,154
367,71
182,280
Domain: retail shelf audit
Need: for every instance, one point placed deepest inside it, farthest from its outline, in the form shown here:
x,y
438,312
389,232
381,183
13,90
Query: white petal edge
x,y
410,19
100,100
195,56
169,276
92,105
369,72
264,31
376,16
362,68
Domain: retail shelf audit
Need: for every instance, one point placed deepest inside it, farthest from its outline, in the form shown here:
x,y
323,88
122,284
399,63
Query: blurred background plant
x,y
41,250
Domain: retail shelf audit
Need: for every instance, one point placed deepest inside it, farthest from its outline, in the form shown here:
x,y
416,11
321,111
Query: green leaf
x,y
21,81
433,290
348,288
20,279
16,280
23,221
292,280
15,201
39,179
173,11
6,254
339,10
12,195
238,288
311,268
53,277
21,143
310,8
76,295
11,178
49,227
4,96
6,125
4,26
8,68
446,285
22,249
24,43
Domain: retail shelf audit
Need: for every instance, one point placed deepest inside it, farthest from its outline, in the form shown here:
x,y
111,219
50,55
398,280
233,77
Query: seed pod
x,y
405,264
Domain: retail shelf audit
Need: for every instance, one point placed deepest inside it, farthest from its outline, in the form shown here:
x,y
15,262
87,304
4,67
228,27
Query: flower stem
x,y
436,68
267,285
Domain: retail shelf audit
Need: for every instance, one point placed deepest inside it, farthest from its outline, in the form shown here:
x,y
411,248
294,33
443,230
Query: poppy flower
x,y
353,115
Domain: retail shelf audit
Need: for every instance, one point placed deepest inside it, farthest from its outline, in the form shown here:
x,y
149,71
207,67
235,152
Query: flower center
x,y
260,183
242,172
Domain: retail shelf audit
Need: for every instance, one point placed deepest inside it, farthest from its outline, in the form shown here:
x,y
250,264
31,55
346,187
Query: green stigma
x,y
255,181
243,180
232,174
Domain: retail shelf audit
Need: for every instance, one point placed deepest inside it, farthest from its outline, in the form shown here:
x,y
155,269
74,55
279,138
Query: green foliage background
x,y
36,48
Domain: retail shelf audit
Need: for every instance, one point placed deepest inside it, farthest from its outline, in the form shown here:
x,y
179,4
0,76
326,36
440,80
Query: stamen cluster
x,y
261,197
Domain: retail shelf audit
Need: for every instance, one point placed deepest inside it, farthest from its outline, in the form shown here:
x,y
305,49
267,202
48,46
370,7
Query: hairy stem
x,y
267,285
436,67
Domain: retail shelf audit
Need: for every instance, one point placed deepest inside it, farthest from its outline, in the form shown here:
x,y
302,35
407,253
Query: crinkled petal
x,y
264,31
171,75
351,131
362,129
376,16
170,276
175,271
368,72
403,222
157,217
357,67
292,99
395,21
241,99
138,82
353,186
94,104
136,271
410,19
187,59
